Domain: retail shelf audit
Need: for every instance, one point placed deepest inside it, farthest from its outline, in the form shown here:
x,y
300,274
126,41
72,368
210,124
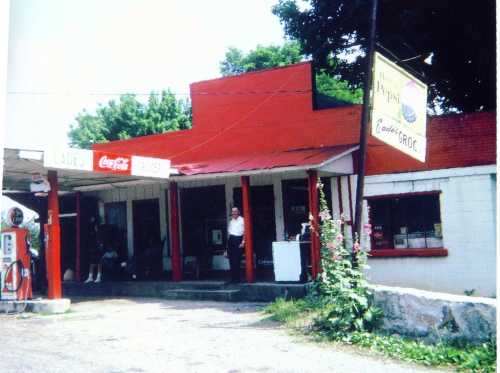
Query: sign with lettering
x,y
98,161
112,163
399,111
68,158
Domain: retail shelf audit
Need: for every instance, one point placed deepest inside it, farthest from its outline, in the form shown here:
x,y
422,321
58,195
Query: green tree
x,y
459,35
130,118
264,57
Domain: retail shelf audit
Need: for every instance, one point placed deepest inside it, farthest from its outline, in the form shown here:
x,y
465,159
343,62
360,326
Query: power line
x,y
199,93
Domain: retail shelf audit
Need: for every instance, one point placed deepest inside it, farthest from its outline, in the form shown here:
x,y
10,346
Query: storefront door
x,y
263,221
147,238
204,228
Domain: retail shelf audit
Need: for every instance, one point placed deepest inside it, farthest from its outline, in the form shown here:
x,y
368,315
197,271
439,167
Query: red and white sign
x,y
97,161
112,163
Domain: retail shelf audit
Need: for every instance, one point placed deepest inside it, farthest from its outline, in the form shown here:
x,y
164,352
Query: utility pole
x,y
363,135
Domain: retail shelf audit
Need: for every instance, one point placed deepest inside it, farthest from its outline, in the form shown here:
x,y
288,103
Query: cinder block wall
x,y
468,211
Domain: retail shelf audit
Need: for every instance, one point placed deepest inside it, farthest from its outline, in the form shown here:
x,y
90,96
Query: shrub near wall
x,y
343,307
341,287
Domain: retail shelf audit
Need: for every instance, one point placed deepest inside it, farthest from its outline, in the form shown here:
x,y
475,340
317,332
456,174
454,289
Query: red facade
x,y
265,119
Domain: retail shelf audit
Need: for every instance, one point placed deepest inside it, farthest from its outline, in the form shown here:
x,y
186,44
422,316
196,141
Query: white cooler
x,y
286,260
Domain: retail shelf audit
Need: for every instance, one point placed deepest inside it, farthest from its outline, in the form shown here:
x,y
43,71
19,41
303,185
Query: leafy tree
x,y
130,118
264,57
337,88
460,35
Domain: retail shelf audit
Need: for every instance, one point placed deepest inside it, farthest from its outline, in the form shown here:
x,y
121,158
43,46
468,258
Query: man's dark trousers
x,y
235,252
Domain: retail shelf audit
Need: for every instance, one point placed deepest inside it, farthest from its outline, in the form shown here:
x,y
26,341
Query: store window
x,y
406,222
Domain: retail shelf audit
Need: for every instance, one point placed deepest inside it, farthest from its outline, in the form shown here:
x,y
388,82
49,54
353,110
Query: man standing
x,y
235,243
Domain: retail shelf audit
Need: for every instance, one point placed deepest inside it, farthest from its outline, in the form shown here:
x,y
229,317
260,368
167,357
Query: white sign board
x,y
97,161
399,112
68,158
150,167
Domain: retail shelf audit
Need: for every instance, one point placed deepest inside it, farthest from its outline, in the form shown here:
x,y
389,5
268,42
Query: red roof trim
x,y
263,71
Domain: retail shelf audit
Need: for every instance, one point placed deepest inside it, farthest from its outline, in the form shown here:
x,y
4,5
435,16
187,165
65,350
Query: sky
x,y
65,56
68,55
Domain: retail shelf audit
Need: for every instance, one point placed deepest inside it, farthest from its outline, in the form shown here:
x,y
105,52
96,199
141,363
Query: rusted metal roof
x,y
266,161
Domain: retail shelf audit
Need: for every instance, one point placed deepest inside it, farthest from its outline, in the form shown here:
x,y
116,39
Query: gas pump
x,y
15,261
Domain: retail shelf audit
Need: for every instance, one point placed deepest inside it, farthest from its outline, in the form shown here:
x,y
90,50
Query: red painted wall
x,y
271,111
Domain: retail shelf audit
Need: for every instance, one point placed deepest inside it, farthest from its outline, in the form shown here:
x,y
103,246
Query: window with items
x,y
406,221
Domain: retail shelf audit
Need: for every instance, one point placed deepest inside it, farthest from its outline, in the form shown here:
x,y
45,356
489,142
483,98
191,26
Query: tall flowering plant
x,y
340,285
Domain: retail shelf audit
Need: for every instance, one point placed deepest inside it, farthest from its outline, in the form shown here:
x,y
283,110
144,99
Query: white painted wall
x,y
469,231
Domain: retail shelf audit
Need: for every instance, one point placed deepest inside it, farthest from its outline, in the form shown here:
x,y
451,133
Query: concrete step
x,y
221,295
197,290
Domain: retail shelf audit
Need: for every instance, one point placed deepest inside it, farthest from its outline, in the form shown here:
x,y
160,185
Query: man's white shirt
x,y
236,226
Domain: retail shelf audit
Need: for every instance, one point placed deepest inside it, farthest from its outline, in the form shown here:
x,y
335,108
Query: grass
x,y
299,316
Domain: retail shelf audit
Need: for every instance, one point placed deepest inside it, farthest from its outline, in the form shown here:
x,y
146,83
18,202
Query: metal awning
x,y
20,165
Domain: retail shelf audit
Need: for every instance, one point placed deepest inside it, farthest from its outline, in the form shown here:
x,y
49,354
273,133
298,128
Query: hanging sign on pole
x,y
399,111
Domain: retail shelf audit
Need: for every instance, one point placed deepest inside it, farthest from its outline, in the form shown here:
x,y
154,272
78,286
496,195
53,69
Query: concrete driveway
x,y
151,335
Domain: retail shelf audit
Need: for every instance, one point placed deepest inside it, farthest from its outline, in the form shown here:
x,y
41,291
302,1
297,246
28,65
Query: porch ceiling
x,y
18,171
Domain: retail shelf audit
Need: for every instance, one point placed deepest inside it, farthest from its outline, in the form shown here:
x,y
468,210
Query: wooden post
x,y
364,131
53,254
175,238
78,238
247,215
314,211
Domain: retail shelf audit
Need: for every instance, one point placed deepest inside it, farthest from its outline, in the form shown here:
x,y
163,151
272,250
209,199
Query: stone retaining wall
x,y
434,316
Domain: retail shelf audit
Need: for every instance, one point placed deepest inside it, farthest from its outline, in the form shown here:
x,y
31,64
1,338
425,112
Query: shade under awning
x,y
20,166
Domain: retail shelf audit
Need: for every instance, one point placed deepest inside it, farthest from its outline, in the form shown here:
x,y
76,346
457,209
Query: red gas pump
x,y
15,261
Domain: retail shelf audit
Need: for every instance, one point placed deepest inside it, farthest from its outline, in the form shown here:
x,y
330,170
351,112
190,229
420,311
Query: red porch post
x,y
78,237
247,215
314,211
53,254
175,234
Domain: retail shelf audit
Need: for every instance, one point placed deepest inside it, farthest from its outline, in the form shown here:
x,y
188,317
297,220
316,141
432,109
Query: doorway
x,y
296,203
263,223
204,228
115,214
147,237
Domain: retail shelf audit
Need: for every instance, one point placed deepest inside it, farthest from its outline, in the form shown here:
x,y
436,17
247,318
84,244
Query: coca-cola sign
x,y
119,163
114,163
98,161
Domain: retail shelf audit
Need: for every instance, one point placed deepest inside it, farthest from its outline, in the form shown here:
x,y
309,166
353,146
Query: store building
x,y
261,140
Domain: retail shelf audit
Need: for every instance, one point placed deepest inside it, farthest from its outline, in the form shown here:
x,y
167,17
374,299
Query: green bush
x,y
341,285
469,358
341,310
